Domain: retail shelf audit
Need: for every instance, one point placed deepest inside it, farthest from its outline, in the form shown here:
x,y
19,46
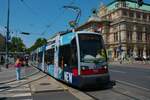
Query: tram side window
x,y
74,61
68,55
49,56
64,56
40,57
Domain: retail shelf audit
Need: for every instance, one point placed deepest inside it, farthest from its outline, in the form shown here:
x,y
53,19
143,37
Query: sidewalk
x,y
46,84
9,74
3,68
35,84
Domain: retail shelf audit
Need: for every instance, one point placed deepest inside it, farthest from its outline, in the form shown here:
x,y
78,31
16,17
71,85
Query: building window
x,y
138,15
139,36
144,17
147,37
131,14
124,13
129,36
140,52
115,37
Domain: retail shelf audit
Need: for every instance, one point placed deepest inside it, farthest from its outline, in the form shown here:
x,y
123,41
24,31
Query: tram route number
x,y
68,77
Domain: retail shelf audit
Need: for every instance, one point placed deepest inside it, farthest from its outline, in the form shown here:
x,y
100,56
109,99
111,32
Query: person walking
x,y
18,65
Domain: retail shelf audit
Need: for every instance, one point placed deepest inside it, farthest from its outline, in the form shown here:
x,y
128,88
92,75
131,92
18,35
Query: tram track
x,y
125,94
115,91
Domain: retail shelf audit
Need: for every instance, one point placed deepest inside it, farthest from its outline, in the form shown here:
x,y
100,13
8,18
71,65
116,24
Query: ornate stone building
x,y
129,30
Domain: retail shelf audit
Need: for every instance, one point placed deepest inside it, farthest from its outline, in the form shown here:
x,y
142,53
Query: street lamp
x,y
7,33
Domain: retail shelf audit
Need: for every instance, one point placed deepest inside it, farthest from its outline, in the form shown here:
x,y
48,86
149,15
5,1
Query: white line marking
x,y
22,95
117,71
19,89
133,85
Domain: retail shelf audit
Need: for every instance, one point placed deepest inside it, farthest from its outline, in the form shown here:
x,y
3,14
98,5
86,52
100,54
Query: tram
x,y
77,58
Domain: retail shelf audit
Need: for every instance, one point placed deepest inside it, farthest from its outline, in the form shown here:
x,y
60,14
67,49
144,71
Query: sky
x,y
41,18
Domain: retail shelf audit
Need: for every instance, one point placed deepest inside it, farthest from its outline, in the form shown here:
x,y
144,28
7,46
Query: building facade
x,y
125,28
2,43
129,30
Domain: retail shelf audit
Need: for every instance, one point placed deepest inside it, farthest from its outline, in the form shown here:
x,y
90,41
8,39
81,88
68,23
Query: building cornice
x,y
133,1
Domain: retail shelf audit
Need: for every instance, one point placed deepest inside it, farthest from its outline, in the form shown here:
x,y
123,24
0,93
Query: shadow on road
x,y
3,98
100,87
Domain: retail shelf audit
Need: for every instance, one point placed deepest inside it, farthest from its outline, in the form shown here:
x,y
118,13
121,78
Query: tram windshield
x,y
92,48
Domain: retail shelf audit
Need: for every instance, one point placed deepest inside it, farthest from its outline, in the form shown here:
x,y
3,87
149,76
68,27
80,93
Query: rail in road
x,y
120,91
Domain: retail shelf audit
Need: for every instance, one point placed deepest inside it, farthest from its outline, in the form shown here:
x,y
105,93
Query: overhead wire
x,y
56,19
53,22
35,13
29,8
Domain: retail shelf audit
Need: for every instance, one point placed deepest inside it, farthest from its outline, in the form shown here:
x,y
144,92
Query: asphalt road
x,y
135,75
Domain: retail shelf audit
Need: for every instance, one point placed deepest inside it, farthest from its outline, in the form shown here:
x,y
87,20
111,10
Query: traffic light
x,y
140,2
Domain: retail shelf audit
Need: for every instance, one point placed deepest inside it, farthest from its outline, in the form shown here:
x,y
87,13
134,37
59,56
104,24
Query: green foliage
x,y
16,45
39,42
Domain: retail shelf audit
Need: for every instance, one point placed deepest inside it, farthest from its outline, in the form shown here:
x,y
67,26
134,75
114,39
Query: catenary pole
x,y
7,33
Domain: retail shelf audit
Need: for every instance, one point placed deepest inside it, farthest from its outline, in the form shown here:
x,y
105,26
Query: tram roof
x,y
65,38
52,37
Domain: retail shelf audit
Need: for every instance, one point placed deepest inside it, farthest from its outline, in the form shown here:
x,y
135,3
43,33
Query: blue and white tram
x,y
77,58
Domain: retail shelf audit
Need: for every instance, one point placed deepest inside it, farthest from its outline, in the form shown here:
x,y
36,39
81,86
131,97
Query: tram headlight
x,y
105,67
84,67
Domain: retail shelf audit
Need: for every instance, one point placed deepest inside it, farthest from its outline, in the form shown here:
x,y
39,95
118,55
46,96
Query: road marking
x,y
19,89
117,71
22,95
133,85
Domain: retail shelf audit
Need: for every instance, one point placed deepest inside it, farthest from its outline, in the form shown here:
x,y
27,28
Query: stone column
x,y
134,37
135,51
104,37
144,52
143,34
123,36
134,34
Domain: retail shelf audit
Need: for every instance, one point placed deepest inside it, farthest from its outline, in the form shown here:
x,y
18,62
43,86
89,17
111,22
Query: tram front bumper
x,y
94,80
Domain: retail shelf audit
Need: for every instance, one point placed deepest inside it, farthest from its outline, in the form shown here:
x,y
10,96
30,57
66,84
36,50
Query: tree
x,y
17,45
39,42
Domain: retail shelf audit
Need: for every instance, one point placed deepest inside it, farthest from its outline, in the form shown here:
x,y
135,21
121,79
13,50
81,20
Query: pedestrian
x,y
18,65
3,60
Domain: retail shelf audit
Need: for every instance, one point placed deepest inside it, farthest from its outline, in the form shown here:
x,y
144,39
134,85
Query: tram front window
x,y
92,48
